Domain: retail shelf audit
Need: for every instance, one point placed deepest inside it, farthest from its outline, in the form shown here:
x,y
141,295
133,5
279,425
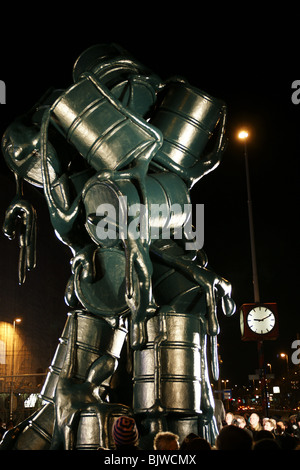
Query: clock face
x,y
261,320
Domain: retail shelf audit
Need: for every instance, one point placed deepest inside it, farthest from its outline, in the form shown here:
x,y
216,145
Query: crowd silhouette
x,y
236,432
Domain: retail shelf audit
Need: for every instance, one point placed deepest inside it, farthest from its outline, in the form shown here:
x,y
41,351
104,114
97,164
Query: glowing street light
x,y
286,357
243,135
225,382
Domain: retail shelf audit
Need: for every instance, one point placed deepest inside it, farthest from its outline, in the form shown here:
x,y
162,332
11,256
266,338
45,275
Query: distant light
x,y
243,135
282,355
30,401
18,320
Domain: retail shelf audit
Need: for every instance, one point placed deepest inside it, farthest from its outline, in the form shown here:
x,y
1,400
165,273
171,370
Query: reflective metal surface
x,y
187,117
167,371
141,335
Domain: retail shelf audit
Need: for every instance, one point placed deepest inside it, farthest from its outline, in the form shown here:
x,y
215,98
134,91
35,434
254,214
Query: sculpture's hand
x,y
84,261
215,288
21,217
140,302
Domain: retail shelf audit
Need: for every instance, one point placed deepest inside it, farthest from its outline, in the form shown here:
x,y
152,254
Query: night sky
x,y
252,70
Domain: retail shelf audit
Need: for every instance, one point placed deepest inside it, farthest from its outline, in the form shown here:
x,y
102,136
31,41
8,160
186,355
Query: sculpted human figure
x,y
107,151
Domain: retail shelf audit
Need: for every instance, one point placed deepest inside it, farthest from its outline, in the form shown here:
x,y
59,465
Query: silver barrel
x,y
105,133
168,202
95,428
129,81
95,337
37,434
167,371
187,118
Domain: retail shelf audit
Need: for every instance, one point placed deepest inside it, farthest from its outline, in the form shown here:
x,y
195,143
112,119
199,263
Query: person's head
x,y
187,439
254,420
229,418
125,432
239,421
233,438
166,441
268,425
266,444
197,443
280,427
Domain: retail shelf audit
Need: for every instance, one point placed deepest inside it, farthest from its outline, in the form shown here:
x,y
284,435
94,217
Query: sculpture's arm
x,y
62,219
214,286
213,159
20,221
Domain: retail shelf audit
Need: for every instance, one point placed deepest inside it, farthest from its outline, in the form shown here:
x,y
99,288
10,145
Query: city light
x,y
243,134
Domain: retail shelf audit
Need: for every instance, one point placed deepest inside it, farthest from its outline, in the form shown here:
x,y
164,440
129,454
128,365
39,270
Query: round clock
x,y
261,320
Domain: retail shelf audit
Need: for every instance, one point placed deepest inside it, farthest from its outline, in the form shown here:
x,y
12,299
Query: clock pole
x,y
251,225
243,135
261,365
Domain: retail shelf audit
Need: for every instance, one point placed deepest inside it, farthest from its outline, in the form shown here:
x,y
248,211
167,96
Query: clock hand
x,y
266,317
262,319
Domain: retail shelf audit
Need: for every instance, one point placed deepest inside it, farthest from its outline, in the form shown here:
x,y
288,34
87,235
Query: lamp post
x,y
243,136
225,382
286,357
17,320
287,384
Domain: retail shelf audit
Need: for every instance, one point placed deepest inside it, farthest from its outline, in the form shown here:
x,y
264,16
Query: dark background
x,y
251,66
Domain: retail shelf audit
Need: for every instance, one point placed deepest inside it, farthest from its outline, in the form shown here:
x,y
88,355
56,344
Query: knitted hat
x,y
125,431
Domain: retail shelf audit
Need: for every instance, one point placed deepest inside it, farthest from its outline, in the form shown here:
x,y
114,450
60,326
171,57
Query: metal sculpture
x,y
121,138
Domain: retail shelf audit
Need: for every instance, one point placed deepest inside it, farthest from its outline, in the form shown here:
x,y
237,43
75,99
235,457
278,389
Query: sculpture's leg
x,y
97,350
72,397
207,425
167,372
172,373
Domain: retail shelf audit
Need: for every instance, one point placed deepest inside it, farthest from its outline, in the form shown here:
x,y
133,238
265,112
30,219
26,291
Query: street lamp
x,y
243,135
225,382
286,357
17,320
